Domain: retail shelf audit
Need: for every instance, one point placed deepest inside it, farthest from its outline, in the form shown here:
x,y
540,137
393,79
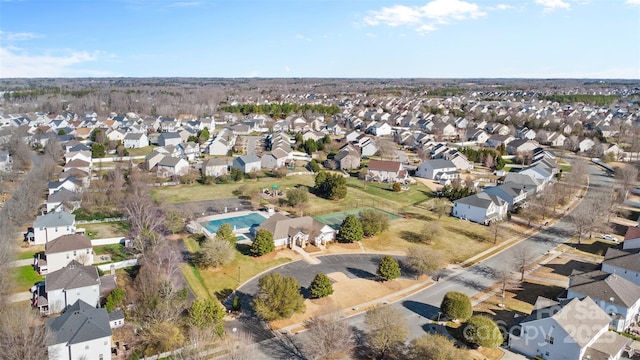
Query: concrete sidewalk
x,y
19,263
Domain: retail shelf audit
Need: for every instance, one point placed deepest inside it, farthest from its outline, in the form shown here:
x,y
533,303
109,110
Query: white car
x,y
609,238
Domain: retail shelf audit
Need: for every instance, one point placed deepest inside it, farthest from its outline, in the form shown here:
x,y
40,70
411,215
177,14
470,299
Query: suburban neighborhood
x,y
490,221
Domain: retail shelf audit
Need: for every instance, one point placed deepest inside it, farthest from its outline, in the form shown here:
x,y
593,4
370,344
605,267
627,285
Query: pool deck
x,y
231,214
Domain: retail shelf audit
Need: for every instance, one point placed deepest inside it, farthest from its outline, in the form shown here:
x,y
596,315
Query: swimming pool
x,y
236,222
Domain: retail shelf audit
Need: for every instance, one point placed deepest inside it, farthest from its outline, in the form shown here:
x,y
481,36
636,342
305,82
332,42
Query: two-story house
x,y
572,329
63,287
440,170
62,250
481,208
386,171
81,332
51,226
136,140
514,194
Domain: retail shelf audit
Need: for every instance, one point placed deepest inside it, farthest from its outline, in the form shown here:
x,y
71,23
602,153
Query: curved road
x,y
424,305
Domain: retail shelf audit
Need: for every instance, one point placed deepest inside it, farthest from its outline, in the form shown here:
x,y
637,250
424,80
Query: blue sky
x,y
320,38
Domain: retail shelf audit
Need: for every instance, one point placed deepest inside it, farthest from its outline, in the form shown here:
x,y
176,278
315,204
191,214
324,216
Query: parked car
x,y
609,238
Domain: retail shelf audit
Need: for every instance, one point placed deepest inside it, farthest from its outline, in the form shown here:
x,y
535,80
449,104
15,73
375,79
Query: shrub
x,y
481,330
213,253
278,297
263,243
456,305
321,286
388,268
397,187
373,222
114,300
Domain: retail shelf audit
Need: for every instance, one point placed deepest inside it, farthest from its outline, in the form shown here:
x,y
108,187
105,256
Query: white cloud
x,y
503,7
550,5
16,63
424,18
302,37
17,36
632,2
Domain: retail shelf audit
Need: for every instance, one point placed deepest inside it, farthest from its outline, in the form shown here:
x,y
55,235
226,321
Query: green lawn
x,y
26,277
106,230
220,282
29,253
142,151
116,251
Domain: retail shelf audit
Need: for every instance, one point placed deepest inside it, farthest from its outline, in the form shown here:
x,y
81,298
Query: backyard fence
x,y
107,241
97,221
118,265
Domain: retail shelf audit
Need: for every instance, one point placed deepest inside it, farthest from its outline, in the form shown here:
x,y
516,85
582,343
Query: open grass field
x,y
106,230
141,151
335,219
220,282
26,277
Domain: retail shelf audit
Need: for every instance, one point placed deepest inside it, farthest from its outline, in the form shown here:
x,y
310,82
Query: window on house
x,y
88,251
86,347
100,357
74,253
549,339
67,256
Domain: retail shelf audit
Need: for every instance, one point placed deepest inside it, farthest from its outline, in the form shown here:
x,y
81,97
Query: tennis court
x,y
335,219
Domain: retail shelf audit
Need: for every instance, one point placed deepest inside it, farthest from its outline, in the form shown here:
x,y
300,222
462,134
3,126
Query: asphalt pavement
x,y
422,306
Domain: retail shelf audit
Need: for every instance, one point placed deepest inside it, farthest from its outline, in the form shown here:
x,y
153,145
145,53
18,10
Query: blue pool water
x,y
236,222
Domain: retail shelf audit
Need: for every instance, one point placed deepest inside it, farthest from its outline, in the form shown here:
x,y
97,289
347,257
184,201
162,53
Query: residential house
x,y
366,144
152,159
274,159
78,164
572,329
68,183
478,135
62,250
215,167
190,150
172,166
386,171
556,140
521,146
497,140
529,184
247,163
348,157
81,332
624,263
63,287
136,140
51,226
71,199
5,160
481,208
631,238
84,155
312,135
443,171
457,158
618,297
169,138
514,194
300,231
380,129
115,135
539,171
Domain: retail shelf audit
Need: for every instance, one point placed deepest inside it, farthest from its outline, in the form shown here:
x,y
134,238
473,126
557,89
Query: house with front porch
x,y
514,194
481,208
300,231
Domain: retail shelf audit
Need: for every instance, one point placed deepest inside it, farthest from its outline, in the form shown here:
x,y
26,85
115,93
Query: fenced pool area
x,y
335,219
239,221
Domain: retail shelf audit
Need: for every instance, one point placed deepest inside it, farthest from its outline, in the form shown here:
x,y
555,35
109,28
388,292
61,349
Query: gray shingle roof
x,y
67,243
79,323
481,200
440,164
607,287
72,276
55,219
623,259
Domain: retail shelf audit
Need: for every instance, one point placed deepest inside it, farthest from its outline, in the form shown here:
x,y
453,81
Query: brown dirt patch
x,y
347,293
486,354
560,268
336,248
431,184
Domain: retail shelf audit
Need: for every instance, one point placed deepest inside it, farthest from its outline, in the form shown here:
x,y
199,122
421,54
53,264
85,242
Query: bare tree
x,y
387,329
19,149
496,229
386,149
331,337
441,207
423,260
23,334
578,174
241,346
627,177
430,231
522,258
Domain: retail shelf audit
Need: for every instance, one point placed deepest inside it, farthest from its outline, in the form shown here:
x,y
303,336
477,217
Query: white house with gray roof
x,y
625,264
64,249
439,169
136,140
299,231
51,226
514,194
81,332
572,329
63,287
172,166
618,297
481,208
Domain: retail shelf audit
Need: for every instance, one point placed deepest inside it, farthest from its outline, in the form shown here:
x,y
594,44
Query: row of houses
x,y
583,323
493,203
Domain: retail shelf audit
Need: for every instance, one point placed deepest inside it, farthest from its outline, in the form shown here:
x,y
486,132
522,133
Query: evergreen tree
x,y
263,243
278,297
321,286
456,305
388,268
350,229
225,232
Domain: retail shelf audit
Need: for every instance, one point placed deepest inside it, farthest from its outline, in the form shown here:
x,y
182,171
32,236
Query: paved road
x,y
424,305
354,266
